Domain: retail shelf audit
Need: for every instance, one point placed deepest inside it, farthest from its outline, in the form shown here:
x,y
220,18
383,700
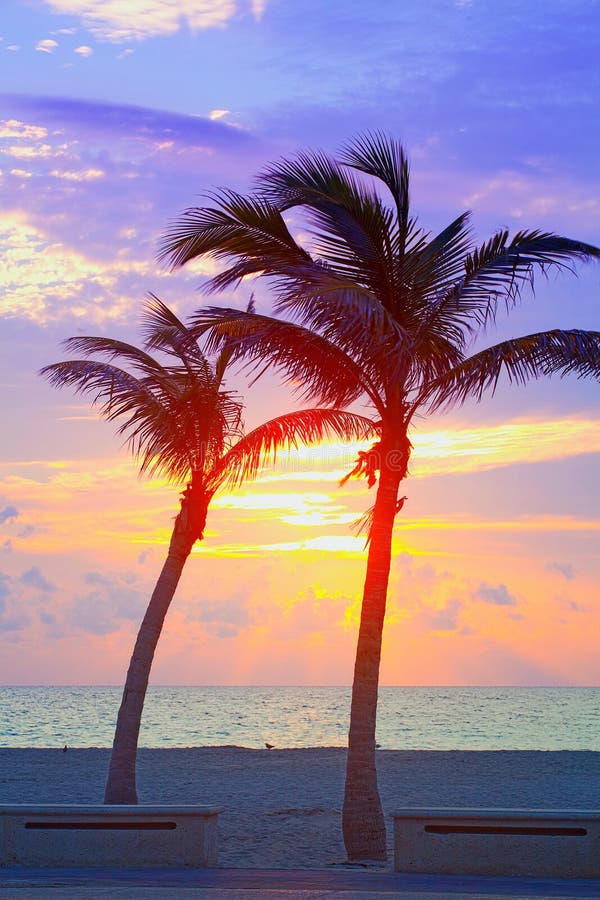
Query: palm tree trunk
x,y
362,817
121,780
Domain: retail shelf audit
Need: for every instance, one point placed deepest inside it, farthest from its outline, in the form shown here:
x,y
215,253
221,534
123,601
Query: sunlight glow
x,y
452,450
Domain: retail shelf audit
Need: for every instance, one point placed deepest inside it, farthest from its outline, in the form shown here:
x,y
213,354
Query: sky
x,y
114,117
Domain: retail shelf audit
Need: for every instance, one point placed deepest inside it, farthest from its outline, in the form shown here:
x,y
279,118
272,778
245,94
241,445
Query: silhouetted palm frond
x,y
521,359
498,270
307,426
307,360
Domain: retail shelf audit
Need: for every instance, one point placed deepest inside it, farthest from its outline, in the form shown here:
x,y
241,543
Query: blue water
x,y
457,718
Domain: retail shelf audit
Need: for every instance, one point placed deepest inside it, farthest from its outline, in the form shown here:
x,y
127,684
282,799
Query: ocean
x,y
409,718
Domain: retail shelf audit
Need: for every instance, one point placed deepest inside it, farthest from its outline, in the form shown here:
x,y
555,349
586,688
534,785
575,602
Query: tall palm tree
x,y
378,310
181,423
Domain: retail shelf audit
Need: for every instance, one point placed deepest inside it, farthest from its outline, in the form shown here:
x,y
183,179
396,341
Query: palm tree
x,y
181,423
378,310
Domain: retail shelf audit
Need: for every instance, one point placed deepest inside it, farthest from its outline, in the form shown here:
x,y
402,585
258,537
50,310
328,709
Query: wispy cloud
x,y
82,175
564,569
34,578
124,120
532,195
138,20
114,599
44,280
498,595
46,46
13,128
8,514
306,509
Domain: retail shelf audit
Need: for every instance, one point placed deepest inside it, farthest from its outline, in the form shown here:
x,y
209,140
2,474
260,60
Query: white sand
x,y
282,807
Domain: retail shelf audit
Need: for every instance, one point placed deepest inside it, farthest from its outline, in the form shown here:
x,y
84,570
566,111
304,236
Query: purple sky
x,y
113,118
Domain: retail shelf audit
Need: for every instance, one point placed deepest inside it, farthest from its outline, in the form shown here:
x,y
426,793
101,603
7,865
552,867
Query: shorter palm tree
x,y
181,423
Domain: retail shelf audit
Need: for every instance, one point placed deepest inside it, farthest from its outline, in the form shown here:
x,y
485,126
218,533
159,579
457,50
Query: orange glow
x,y
464,588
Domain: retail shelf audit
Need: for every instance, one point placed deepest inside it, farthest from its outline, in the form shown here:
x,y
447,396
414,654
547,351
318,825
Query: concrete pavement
x,y
18,883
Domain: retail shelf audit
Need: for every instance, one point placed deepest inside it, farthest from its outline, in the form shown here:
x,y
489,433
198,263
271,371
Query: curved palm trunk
x,y
362,817
121,780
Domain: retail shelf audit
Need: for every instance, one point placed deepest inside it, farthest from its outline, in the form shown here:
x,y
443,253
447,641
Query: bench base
x,y
560,843
153,836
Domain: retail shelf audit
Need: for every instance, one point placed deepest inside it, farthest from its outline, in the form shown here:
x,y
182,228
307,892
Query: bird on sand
x,y
269,746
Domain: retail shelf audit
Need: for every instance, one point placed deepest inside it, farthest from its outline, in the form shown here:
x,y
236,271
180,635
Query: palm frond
x,y
352,229
317,369
529,357
226,351
498,269
174,418
440,261
112,349
307,426
362,525
164,331
120,396
248,232
383,157
309,179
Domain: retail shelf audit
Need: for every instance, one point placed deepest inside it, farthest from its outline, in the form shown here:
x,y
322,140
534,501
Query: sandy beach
x,y
282,808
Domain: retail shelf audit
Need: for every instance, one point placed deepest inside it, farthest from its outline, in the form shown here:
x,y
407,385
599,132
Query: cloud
x,y
8,514
40,151
96,578
127,164
498,596
335,543
13,128
144,555
33,290
488,447
576,607
34,578
47,618
114,600
223,617
532,195
84,50
446,618
85,175
564,569
13,618
308,509
46,46
126,120
138,20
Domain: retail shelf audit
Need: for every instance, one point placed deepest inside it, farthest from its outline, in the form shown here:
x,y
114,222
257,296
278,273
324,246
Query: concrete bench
x,y
33,835
537,842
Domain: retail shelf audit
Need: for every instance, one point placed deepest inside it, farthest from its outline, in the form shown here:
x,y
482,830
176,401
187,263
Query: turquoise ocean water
x,y
422,718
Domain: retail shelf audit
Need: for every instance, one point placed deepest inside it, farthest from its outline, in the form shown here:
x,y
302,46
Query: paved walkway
x,y
281,884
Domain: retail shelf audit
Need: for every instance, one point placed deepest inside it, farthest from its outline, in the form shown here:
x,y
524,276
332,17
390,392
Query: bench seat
x,y
76,835
536,842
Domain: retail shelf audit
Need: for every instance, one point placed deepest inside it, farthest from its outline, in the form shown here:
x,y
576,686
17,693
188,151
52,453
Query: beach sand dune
x,y
283,807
